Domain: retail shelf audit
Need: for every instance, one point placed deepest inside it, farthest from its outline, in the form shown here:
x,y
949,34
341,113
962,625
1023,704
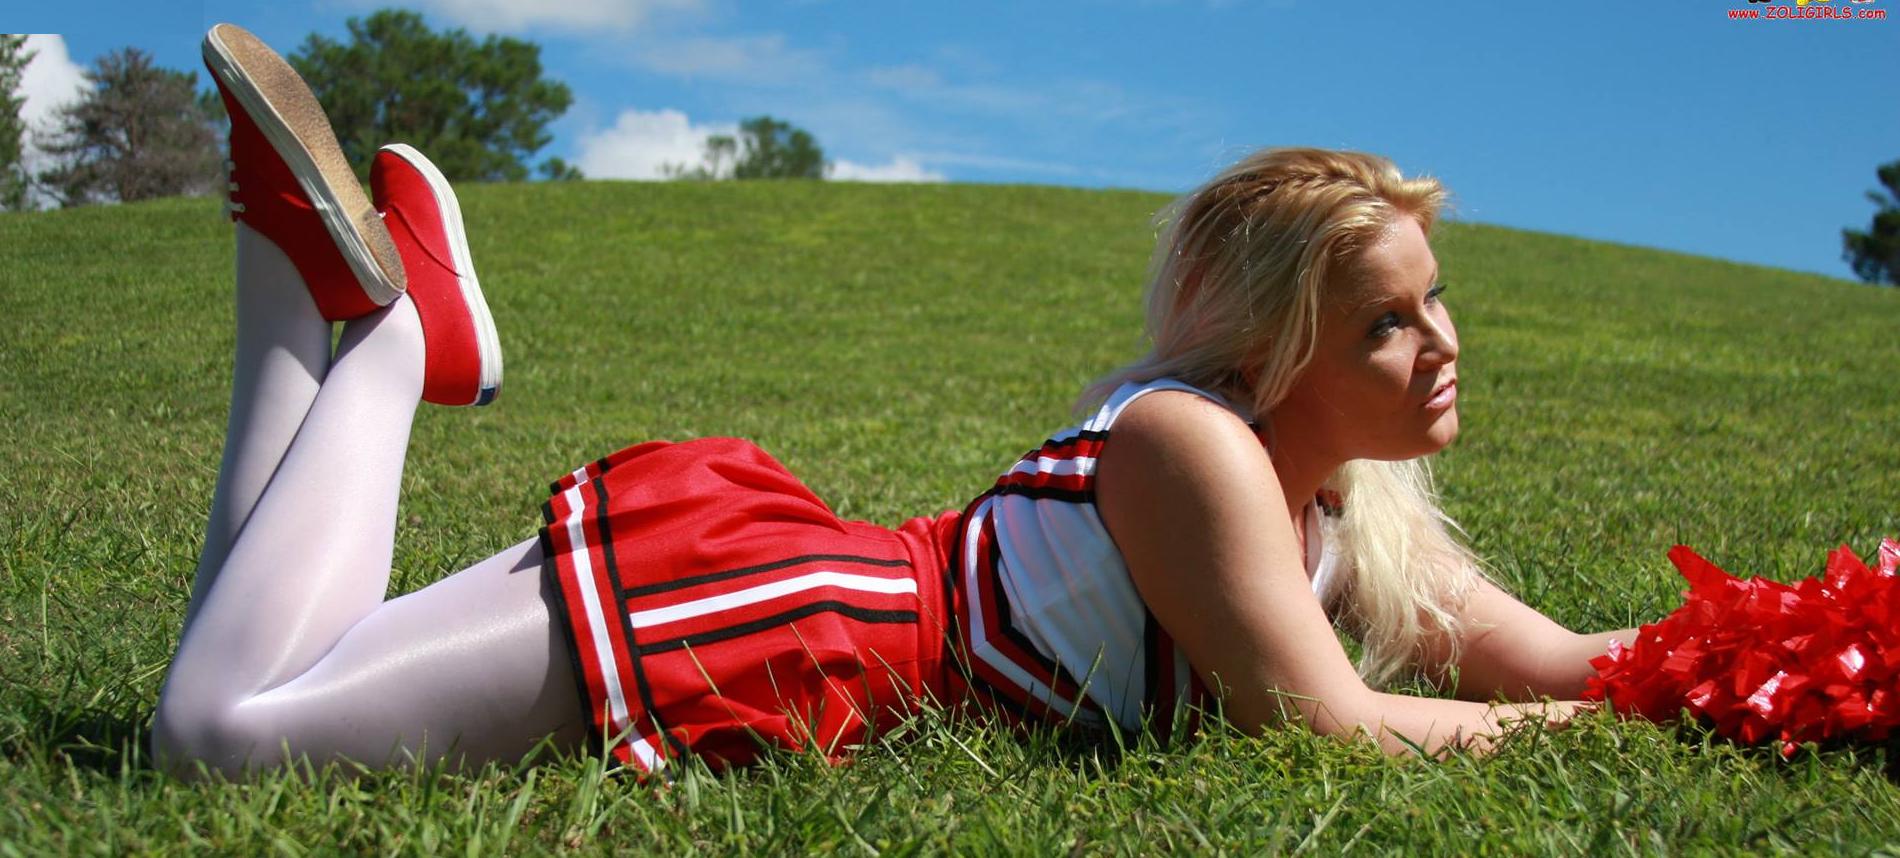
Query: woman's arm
x,y
1511,651
1192,501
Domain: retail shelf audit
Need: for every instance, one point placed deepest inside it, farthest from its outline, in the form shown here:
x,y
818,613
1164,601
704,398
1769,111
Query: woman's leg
x,y
289,644
310,249
294,646
282,355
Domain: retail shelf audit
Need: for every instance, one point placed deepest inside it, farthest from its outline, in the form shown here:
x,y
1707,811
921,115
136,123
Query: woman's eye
x,y
1390,322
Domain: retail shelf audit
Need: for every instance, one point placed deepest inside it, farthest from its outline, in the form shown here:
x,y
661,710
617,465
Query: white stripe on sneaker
x,y
487,340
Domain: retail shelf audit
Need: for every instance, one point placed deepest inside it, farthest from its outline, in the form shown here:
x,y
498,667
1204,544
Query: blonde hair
x,y
1233,300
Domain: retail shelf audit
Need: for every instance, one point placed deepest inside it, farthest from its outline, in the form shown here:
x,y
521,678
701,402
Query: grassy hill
x,y
897,347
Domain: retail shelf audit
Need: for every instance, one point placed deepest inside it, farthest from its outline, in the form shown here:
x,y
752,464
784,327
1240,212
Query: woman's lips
x,y
1443,397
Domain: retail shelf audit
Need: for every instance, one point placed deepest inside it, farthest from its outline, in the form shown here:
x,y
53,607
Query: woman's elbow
x,y
1337,713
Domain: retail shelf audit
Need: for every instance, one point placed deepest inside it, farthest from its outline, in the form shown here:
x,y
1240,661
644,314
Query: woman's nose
x,y
1441,345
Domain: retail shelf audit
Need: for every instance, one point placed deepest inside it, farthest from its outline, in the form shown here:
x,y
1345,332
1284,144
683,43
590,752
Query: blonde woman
x,y
1189,543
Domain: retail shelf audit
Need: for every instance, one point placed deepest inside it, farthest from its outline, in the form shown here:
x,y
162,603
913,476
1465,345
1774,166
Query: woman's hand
x,y
1436,727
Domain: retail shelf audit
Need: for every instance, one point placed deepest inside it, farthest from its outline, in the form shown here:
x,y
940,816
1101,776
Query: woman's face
x,y
1382,383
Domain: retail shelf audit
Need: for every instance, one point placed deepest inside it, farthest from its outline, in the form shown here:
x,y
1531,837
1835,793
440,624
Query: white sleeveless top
x,y
1051,620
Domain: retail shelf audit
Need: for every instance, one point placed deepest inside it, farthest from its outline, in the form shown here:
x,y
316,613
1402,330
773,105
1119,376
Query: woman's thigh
x,y
475,665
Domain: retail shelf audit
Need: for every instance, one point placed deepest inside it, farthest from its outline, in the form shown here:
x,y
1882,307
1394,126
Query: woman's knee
x,y
196,736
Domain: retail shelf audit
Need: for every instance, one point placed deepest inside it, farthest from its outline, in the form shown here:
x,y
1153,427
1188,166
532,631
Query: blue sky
x,y
1662,124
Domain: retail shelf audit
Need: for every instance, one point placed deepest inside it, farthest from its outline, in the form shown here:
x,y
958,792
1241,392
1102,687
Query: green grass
x,y
897,347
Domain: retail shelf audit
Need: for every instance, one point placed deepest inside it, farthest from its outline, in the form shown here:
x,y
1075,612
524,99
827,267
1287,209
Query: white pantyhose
x,y
290,650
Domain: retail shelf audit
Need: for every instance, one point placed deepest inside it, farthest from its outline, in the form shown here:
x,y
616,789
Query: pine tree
x,y
765,148
13,179
1875,254
480,109
777,150
140,132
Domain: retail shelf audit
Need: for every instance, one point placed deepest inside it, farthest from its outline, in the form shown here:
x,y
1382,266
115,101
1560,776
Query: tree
x,y
480,109
139,132
559,170
715,161
764,149
13,179
777,150
1875,254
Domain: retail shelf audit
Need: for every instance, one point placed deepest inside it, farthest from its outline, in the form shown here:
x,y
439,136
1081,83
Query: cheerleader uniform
x,y
715,607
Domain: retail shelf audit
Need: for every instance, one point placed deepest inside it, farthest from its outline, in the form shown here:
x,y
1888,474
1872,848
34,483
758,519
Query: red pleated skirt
x,y
715,607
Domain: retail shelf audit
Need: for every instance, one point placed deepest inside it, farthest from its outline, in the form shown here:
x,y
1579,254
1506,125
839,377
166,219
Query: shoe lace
x,y
231,206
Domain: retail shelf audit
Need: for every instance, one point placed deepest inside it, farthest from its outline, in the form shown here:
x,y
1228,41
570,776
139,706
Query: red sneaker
x,y
290,181
463,351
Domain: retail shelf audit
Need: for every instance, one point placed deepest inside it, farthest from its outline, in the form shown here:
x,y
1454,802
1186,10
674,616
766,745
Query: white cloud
x,y
760,59
641,142
52,79
900,169
581,16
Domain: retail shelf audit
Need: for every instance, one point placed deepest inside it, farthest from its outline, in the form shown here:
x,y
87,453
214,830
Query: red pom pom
x,y
1760,660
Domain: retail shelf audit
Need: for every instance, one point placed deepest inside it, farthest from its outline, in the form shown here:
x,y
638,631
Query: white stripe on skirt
x,y
766,592
597,625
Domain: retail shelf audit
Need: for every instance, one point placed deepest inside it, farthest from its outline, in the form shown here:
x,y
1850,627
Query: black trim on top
x,y
626,623
1083,435
1158,718
962,661
1054,667
953,652
1150,664
1046,493
711,577
863,615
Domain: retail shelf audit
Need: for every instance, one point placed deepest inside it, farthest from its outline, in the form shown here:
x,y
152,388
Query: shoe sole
x,y
285,110
487,339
